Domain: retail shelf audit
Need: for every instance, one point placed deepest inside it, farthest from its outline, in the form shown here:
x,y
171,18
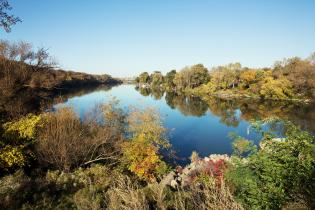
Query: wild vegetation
x,y
112,159
292,78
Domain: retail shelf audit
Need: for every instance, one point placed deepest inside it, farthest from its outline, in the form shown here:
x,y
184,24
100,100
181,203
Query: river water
x,y
194,124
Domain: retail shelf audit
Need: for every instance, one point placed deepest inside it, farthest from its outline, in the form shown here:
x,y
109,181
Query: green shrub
x,y
281,172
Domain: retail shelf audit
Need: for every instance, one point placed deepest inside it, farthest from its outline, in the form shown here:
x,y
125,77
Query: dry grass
x,y
126,195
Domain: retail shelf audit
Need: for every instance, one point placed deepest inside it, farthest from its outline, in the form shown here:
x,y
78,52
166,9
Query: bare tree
x,y
25,51
43,59
13,51
4,48
7,20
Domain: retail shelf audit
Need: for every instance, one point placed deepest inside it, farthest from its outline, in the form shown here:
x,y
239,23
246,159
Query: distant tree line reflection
x,y
232,111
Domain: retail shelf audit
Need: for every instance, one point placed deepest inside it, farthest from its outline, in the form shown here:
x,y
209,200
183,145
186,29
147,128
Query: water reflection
x,y
30,101
231,111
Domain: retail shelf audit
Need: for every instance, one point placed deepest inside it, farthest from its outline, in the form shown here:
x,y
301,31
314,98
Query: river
x,y
194,124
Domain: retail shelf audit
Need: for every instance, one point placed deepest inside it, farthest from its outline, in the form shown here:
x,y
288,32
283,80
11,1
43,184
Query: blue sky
x,y
124,38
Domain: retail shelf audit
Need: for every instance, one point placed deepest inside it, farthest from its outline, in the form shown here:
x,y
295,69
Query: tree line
x,y
292,78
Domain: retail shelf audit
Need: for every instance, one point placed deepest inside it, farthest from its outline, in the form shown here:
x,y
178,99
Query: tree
x,y
25,51
7,20
169,78
42,58
191,77
199,75
276,88
141,153
156,78
248,77
144,77
182,79
301,73
225,77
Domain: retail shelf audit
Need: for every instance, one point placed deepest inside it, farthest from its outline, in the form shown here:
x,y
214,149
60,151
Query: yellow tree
x,y
141,153
248,77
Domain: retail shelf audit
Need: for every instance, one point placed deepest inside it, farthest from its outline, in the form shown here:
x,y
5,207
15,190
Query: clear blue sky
x,y
123,38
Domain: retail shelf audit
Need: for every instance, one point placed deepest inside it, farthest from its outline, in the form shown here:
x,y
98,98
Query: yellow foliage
x,y
141,153
142,157
248,76
12,156
148,124
276,88
25,127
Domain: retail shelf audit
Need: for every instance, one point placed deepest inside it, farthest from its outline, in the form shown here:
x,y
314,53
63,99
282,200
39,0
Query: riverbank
x,y
233,95
224,94
25,88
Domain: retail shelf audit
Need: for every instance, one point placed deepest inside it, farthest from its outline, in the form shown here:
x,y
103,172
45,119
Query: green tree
x,y
224,77
169,79
199,75
191,77
144,77
156,78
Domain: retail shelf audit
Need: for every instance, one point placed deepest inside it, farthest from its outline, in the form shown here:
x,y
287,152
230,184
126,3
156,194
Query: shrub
x,y
11,190
24,128
66,142
281,172
12,157
141,153
18,136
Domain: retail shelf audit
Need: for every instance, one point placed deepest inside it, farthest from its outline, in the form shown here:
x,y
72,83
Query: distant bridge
x,y
128,80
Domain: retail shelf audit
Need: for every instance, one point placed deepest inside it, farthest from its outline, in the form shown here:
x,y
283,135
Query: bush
x,y
141,153
65,142
281,172
17,140
24,128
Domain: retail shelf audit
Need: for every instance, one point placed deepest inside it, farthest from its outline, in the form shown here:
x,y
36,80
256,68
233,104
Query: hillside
x,y
24,87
